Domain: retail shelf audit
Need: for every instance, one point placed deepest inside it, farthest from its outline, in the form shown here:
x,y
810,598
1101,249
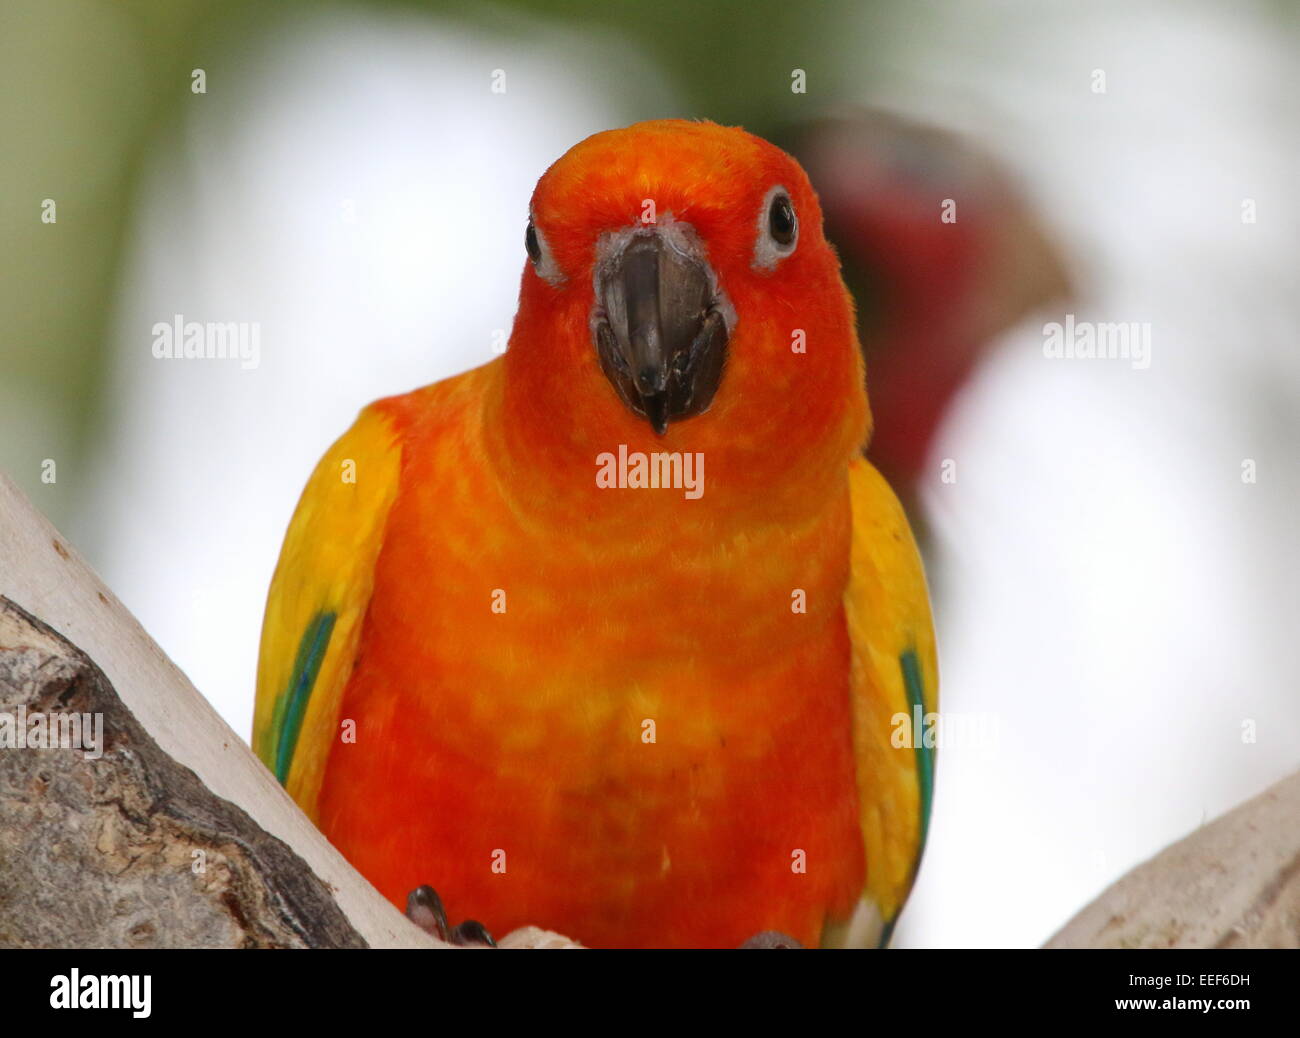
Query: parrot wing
x,y
317,602
893,671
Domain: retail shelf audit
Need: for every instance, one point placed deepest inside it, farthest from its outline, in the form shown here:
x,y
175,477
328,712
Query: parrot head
x,y
679,291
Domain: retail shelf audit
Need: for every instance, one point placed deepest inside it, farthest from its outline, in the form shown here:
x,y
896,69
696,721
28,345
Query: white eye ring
x,y
770,247
539,253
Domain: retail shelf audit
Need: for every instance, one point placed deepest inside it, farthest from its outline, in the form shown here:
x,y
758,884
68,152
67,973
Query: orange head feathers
x,y
680,295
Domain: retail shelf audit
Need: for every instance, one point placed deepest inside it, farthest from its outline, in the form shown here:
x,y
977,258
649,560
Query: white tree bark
x,y
1234,883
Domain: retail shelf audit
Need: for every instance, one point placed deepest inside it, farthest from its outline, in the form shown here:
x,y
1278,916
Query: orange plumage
x,y
594,709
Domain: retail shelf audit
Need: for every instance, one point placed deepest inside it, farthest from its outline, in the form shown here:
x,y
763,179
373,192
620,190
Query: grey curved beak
x,y
657,326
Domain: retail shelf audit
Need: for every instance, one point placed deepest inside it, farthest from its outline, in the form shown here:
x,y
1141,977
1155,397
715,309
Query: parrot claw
x,y
472,933
424,909
771,939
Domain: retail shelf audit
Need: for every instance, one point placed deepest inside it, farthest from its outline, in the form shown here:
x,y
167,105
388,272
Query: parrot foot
x,y
771,939
424,909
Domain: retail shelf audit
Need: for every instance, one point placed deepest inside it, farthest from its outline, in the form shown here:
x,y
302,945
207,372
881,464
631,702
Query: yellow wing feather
x,y
317,602
892,635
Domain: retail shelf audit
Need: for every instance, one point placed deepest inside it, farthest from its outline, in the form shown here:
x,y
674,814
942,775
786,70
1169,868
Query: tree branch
x,y
1234,883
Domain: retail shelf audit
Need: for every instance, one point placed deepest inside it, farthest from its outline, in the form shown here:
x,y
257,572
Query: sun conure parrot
x,y
615,635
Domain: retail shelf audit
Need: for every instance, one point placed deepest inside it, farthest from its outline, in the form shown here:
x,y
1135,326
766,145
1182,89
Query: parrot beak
x,y
659,325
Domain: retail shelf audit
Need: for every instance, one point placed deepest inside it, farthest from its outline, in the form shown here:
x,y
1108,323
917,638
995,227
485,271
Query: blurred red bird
x,y
942,252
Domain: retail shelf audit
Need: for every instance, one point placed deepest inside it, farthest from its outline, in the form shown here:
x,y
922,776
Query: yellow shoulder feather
x,y
894,670
317,602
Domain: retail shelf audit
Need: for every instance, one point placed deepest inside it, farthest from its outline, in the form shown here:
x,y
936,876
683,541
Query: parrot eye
x,y
542,260
780,221
778,229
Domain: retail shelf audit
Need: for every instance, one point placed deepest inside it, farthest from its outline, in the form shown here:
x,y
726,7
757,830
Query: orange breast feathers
x,y
609,735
